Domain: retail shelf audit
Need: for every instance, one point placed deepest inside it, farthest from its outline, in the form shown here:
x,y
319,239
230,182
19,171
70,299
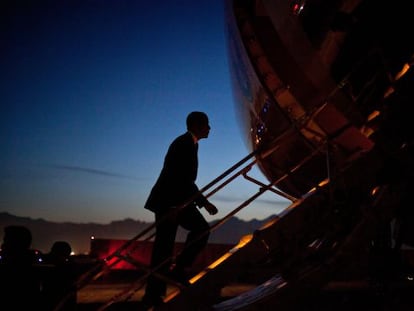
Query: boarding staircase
x,y
294,254
301,248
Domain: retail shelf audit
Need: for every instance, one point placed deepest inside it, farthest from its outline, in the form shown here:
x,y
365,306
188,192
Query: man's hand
x,y
211,209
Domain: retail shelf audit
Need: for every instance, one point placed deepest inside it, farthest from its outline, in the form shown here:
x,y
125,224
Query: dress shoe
x,y
179,275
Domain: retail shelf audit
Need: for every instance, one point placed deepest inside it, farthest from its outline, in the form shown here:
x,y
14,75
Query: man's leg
x,y
192,220
163,247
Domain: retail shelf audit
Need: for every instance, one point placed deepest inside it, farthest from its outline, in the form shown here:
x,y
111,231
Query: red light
x,y
295,8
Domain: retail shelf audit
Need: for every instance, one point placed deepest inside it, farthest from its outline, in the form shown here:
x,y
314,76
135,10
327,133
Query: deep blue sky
x,y
93,92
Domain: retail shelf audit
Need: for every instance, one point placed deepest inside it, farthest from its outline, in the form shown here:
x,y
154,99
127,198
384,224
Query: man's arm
x,y
211,208
203,202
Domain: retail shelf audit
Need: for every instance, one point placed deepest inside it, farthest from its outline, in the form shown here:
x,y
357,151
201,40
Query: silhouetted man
x,y
20,282
59,290
174,187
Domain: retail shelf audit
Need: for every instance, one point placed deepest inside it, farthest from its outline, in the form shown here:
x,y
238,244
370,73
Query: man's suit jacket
x,y
176,182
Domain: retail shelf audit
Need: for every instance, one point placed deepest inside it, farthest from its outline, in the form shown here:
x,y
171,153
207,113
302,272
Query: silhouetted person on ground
x,y
15,248
20,281
174,187
60,277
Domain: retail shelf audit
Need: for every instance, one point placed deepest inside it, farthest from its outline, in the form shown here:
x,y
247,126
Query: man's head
x,y
16,239
197,123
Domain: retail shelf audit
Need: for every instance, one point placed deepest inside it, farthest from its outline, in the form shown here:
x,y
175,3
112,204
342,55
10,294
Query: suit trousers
x,y
167,223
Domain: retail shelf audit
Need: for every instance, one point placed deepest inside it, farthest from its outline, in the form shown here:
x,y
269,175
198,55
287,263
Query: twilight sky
x,y
94,91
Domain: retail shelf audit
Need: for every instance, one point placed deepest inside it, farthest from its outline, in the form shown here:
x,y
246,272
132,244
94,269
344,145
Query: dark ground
x,y
395,295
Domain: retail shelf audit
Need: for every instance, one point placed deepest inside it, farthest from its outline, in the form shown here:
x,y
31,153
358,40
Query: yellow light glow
x,y
323,182
270,223
320,184
367,131
389,91
374,191
171,296
373,115
403,71
219,261
197,277
243,241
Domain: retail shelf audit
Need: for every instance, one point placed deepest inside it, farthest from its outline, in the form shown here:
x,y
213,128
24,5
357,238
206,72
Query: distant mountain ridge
x,y
45,233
